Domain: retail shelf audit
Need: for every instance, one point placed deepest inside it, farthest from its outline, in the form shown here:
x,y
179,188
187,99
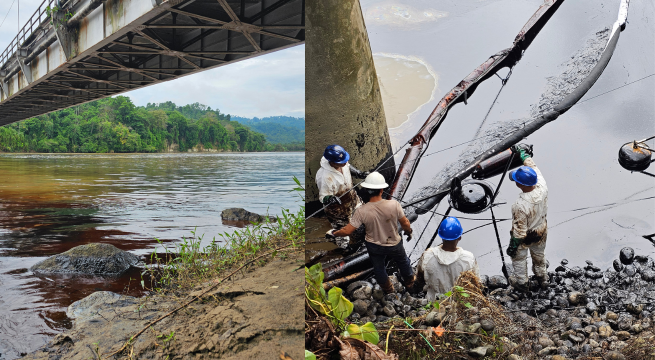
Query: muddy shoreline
x,y
252,316
583,312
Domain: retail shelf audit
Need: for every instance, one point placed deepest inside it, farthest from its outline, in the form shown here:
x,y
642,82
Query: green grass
x,y
189,264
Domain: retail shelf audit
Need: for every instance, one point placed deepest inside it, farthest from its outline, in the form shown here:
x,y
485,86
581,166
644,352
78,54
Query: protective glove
x,y
409,235
513,246
358,173
331,200
522,150
330,234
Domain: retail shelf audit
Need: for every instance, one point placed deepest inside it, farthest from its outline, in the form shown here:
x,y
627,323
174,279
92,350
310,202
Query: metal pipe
x,y
530,127
330,284
83,12
34,53
505,58
341,267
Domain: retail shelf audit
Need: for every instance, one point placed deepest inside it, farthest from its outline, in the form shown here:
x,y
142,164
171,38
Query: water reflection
x,y
51,203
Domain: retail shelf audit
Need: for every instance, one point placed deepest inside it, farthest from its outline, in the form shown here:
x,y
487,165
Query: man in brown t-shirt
x,y
381,218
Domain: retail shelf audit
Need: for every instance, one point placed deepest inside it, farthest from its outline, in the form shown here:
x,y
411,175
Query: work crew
x,y
440,266
335,191
381,218
529,228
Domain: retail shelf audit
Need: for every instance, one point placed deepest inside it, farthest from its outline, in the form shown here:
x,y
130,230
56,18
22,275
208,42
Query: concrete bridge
x,y
74,51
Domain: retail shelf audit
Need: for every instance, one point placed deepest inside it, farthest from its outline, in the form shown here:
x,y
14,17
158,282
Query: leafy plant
x,y
309,355
366,332
458,293
62,22
335,306
166,338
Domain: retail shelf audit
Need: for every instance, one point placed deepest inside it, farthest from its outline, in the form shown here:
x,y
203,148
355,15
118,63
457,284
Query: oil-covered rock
x,y
92,259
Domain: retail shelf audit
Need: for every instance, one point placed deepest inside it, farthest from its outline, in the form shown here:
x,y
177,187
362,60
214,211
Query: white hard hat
x,y
375,180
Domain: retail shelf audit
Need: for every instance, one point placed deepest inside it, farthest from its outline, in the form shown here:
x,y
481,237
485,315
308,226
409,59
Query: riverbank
x,y
234,300
584,313
251,317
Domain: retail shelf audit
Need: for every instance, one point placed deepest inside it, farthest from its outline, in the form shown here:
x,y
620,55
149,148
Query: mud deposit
x,y
255,316
406,84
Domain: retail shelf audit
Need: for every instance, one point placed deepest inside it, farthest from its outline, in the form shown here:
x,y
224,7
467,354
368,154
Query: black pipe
x,y
82,13
529,128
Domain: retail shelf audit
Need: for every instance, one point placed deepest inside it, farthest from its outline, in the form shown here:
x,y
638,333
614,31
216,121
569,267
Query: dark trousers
x,y
379,254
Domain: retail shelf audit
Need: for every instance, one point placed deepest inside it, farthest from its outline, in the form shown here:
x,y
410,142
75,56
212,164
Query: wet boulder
x,y
627,255
92,259
239,214
575,272
630,270
96,304
487,325
618,266
360,307
648,275
363,292
497,281
576,298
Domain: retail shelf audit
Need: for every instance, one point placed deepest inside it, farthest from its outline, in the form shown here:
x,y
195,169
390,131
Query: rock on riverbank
x,y
95,259
583,311
253,316
239,214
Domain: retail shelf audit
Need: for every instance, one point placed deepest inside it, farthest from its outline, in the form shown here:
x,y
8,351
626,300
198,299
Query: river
x,y
595,206
50,203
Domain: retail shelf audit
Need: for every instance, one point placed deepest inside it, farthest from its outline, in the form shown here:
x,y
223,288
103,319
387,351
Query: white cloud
x,y
268,85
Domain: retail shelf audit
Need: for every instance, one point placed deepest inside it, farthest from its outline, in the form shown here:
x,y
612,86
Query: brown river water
x,y
423,48
51,203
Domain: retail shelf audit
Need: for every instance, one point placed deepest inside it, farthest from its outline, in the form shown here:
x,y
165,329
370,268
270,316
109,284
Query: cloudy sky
x,y
267,85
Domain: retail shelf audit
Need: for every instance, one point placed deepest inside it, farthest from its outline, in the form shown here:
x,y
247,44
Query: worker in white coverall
x,y
529,227
440,266
335,191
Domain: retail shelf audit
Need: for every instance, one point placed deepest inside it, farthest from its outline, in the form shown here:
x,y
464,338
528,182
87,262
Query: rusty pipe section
x,y
33,54
83,12
529,128
505,58
52,37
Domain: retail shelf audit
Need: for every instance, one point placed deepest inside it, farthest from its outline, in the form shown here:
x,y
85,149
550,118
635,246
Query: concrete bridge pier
x,y
343,102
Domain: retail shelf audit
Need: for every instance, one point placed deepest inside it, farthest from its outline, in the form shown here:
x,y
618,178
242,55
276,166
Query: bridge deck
x,y
92,49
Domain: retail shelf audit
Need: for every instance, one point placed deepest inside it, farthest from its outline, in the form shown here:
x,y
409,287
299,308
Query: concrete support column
x,y
342,94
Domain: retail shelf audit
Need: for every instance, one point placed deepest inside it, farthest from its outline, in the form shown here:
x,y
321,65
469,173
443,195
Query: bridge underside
x,y
173,39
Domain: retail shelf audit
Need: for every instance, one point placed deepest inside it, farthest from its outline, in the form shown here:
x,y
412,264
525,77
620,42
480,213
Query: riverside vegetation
x,y
193,311
584,313
117,125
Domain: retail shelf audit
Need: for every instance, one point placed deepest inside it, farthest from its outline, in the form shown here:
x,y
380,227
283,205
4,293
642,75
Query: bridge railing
x,y
40,15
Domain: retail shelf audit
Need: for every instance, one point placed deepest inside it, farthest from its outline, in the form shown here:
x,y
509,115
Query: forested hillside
x,y
282,120
278,129
117,125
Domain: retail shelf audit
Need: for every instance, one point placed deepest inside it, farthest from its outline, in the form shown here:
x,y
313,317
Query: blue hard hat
x,y
524,175
336,154
450,229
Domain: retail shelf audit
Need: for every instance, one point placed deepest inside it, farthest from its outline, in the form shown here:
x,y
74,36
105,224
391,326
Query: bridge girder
x,y
173,39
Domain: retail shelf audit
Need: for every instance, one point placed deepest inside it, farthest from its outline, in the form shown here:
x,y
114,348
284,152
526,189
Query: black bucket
x,y
495,165
470,196
635,156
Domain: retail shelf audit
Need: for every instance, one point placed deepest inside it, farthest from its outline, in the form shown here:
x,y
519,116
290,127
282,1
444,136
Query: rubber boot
x,y
409,283
543,282
387,287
